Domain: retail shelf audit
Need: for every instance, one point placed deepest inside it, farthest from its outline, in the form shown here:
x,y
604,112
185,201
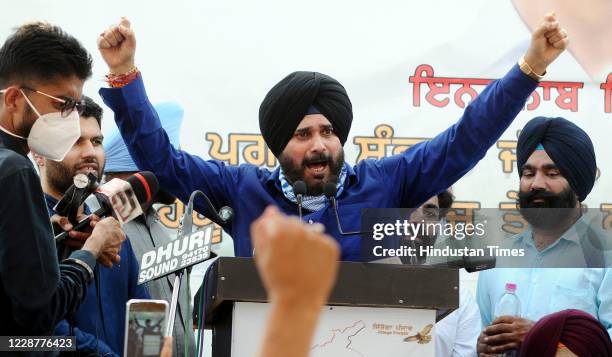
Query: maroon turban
x,y
580,332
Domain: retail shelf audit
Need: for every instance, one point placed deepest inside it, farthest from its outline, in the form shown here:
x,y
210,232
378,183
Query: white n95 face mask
x,y
52,135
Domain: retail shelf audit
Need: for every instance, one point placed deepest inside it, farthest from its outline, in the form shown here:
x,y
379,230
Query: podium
x,y
385,308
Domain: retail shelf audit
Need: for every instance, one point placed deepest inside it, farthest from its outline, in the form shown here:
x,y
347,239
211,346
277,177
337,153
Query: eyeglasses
x,y
68,103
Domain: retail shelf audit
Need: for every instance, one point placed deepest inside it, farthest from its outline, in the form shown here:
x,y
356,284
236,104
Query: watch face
x,y
80,181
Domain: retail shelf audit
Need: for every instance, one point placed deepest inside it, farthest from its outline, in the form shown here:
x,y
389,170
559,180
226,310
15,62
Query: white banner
x,y
409,68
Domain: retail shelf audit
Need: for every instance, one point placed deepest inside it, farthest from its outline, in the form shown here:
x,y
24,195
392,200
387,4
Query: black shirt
x,y
35,291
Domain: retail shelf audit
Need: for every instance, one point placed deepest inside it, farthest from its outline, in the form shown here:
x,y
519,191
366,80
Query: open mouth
x,y
317,168
87,168
539,201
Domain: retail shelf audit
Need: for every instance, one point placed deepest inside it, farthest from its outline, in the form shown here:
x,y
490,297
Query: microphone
x,y
226,214
299,188
330,190
470,264
83,186
171,259
222,217
122,199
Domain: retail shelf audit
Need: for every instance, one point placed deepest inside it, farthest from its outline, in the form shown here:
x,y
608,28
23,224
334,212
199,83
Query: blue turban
x,y
569,147
118,158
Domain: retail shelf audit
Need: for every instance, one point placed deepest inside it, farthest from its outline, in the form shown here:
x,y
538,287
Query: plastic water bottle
x,y
508,305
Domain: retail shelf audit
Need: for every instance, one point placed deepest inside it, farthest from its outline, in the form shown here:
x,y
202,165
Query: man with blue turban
x,y
146,232
557,169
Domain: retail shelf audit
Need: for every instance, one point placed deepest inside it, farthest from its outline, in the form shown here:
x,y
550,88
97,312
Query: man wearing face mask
x,y
146,232
42,70
557,168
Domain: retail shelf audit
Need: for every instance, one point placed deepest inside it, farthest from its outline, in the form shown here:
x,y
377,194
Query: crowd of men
x,y
80,287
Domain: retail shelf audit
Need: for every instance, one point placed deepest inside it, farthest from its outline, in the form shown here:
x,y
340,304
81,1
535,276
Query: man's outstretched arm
x,y
177,171
428,168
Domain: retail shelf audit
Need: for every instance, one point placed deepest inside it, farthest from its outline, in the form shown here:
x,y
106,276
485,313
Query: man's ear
x,y
10,97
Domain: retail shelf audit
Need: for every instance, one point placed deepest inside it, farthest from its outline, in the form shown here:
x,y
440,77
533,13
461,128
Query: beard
x,y
555,210
60,177
294,172
27,121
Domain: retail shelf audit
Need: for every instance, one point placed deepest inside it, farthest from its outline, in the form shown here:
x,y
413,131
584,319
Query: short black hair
x,y
42,52
445,201
92,109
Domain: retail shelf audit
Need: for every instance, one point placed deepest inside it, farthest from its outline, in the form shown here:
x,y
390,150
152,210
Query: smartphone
x,y
145,327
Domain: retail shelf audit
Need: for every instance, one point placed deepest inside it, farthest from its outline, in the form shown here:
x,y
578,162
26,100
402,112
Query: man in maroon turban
x,y
567,333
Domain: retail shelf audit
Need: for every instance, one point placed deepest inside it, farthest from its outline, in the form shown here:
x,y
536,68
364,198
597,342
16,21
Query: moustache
x,y
315,159
526,198
87,162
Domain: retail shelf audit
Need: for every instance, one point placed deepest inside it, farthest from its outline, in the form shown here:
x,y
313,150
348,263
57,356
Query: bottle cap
x,y
511,287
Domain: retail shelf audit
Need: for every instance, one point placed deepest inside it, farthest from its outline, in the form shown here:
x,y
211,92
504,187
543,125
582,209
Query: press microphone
x,y
330,190
122,199
299,188
82,186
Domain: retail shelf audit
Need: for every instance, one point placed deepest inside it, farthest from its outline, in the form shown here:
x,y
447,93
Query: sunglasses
x,y
68,104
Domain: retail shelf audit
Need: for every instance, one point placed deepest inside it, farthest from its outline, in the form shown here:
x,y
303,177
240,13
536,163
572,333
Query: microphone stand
x,y
186,226
330,192
299,198
299,189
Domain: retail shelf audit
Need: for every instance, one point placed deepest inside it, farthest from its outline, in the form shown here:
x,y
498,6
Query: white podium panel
x,y
345,331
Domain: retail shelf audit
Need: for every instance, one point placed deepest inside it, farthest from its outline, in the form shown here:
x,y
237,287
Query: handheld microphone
x,y
83,186
122,199
299,188
330,190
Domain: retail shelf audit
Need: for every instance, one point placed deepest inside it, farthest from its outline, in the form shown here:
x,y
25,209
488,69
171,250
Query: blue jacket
x,y
102,328
403,180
